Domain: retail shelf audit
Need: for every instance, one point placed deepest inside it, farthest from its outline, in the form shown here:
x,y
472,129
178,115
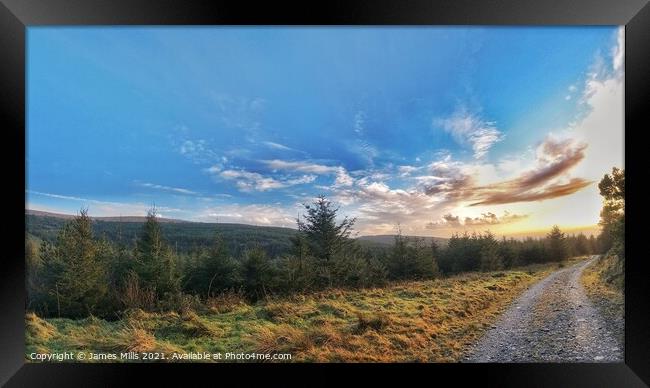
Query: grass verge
x,y
603,283
422,321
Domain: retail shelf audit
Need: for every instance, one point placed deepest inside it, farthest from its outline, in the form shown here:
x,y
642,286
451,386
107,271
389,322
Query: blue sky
x,y
242,124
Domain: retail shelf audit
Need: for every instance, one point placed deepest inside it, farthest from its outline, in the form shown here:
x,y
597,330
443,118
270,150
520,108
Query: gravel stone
x,y
553,321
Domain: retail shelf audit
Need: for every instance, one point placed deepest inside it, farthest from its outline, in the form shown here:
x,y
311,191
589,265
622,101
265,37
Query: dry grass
x,y
37,329
425,321
94,335
225,302
603,283
367,321
194,325
285,338
133,338
137,314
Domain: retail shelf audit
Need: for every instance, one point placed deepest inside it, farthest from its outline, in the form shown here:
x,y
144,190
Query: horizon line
x,y
584,229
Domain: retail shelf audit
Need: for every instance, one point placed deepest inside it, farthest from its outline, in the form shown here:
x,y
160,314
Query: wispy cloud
x,y
277,146
364,150
455,181
240,112
469,128
550,191
405,171
107,208
359,122
618,51
258,214
177,190
190,146
301,180
301,166
342,177
253,181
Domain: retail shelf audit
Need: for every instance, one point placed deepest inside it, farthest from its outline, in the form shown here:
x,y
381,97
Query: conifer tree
x,y
76,277
257,273
324,236
214,270
155,262
557,244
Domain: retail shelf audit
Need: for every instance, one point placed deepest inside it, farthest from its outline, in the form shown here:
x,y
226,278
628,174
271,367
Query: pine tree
x,y
399,265
77,278
257,273
490,256
214,270
324,236
155,262
556,244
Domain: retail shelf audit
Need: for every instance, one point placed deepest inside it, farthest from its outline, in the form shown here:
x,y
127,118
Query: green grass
x,y
428,321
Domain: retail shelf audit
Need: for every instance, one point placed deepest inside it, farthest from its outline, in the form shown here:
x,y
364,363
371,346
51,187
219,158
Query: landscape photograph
x,y
325,194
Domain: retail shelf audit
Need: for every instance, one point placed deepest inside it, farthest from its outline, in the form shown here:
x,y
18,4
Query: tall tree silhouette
x,y
323,235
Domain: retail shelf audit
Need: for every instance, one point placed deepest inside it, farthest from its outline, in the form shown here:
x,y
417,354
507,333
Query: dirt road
x,y
553,321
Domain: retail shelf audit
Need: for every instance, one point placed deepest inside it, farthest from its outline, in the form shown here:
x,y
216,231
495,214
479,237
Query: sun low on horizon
x,y
437,130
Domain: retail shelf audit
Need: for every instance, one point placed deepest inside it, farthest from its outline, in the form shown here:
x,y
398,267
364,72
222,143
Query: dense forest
x,y
184,237
80,267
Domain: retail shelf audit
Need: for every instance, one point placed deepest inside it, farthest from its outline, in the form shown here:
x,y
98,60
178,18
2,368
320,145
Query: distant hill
x,y
389,239
181,235
117,219
184,235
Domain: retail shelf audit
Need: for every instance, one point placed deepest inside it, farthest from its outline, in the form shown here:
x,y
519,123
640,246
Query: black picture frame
x,y
17,15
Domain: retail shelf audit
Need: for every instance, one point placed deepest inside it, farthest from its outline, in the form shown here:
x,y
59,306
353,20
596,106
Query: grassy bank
x,y
428,321
603,280
603,283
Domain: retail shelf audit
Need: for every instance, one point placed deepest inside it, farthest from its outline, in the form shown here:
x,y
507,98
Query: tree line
x,y
80,274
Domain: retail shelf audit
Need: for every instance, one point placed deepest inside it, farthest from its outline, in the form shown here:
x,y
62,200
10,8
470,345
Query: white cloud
x,y
405,171
255,214
277,146
197,151
306,167
602,125
343,178
252,181
618,52
301,180
177,190
469,128
214,169
602,128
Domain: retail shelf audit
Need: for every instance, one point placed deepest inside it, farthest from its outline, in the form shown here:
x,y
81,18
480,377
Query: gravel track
x,y
553,321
